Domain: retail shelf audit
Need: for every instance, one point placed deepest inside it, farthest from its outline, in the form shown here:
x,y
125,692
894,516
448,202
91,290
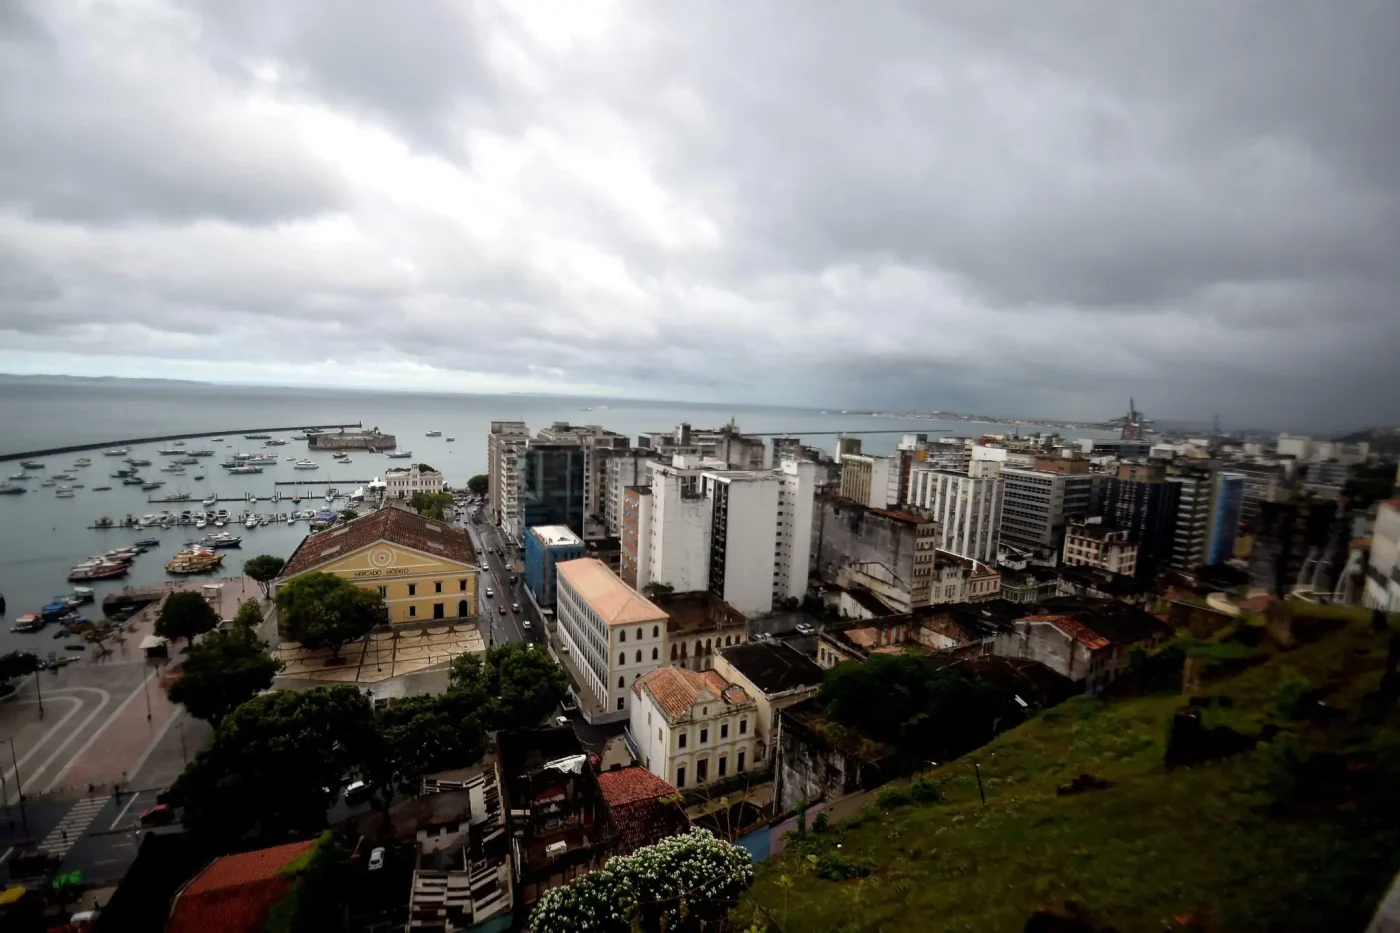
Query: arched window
x,y
639,655
639,634
621,683
738,639
699,648
622,657
622,634
656,653
674,652
727,642
683,654
656,631
707,647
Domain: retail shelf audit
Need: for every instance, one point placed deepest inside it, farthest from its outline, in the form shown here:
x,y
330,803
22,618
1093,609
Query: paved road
x,y
507,628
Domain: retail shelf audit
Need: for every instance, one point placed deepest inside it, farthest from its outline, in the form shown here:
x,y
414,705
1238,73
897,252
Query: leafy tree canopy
x,y
276,763
478,484
431,504
321,610
264,569
423,734
224,671
17,664
522,685
921,711
249,615
185,615
683,883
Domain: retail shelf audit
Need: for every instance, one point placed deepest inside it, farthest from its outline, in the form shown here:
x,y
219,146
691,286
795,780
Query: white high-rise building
x,y
743,535
967,509
504,442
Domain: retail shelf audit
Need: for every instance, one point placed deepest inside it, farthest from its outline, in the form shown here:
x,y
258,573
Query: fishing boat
x,y
194,560
83,594
63,493
29,622
257,437
19,476
10,489
82,462
32,464
139,462
434,434
306,465
103,571
101,488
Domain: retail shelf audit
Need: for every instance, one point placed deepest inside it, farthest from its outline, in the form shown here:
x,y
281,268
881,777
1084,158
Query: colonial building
x,y
1087,641
612,634
403,482
776,675
1091,543
692,728
424,569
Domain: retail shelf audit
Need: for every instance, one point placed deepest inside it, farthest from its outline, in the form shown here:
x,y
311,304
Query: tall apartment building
x,y
743,535
736,450
871,481
846,447
950,453
1036,503
623,468
967,509
504,441
612,633
1263,482
889,552
1382,587
1139,498
1193,514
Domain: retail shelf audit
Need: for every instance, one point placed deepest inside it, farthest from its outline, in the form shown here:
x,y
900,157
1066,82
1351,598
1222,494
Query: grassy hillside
x,y
1299,833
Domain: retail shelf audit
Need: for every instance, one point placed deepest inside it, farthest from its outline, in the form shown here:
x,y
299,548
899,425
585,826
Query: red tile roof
x,y
674,689
1076,630
235,893
633,798
396,526
628,785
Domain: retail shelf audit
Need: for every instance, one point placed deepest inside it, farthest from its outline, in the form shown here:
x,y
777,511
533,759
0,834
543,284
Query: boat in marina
x,y
202,452
32,464
221,539
10,489
171,452
257,437
116,452
274,443
82,462
251,522
172,468
451,439
138,462
434,434
306,465
245,468
212,500
188,461
133,481
101,488
298,437
63,492
29,622
99,570
399,454
19,476
260,458
49,482
194,560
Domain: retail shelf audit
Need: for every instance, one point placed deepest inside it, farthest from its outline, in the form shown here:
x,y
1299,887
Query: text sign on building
x,y
392,571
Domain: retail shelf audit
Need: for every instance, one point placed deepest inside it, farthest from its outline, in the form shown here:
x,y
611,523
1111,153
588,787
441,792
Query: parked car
x,y
358,792
561,720
806,628
525,624
158,815
490,592
376,859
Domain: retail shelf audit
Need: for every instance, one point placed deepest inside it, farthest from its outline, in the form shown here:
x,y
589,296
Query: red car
x,y
503,609
160,813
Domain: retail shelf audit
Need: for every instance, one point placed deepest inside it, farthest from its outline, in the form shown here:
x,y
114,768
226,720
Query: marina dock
x,y
133,441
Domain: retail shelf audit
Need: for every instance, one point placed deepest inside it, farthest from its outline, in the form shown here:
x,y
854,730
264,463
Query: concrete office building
x,y
504,441
1036,503
624,468
888,552
797,485
1208,516
547,546
598,445
613,634
728,445
1382,587
967,509
846,447
1226,509
871,481
1091,543
666,528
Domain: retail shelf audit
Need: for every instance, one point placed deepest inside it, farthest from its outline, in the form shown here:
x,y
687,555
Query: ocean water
x,y
41,536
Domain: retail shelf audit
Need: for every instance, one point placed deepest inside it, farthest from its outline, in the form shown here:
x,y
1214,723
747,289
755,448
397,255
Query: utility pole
x,y
19,787
39,690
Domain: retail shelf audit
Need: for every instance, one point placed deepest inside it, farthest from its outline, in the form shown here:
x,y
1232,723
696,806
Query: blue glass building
x,y
545,547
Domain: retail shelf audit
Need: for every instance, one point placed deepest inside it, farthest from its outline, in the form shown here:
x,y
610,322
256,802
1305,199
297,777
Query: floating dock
x,y
132,441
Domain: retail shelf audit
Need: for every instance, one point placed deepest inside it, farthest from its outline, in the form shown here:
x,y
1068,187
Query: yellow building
x,y
425,569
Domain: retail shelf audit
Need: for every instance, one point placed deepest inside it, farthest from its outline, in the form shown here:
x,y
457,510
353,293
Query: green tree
x,y
423,734
223,672
276,764
431,504
321,610
683,883
185,615
922,712
316,899
17,664
249,615
521,685
264,569
478,484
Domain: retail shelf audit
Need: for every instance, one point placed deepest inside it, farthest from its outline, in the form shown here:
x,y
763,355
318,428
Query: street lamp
x,y
19,788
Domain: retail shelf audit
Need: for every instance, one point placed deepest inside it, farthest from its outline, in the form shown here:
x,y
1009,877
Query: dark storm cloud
x,y
1033,209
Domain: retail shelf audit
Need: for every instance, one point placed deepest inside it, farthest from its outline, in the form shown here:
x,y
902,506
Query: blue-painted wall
x,y
540,560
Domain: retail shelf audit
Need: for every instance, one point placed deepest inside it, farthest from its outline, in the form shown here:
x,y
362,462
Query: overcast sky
x,y
1025,208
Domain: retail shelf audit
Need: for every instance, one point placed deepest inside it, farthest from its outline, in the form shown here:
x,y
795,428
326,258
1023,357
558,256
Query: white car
x,y
561,720
376,859
490,592
525,624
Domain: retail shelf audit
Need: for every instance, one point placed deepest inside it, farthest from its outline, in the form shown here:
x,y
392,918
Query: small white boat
x,y
212,500
200,523
306,465
252,522
63,493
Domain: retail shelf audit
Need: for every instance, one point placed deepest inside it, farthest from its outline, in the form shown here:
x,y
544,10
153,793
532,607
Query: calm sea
x,y
42,536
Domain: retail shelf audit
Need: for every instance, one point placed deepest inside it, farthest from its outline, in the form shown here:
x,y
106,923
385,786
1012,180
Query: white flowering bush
x,y
674,885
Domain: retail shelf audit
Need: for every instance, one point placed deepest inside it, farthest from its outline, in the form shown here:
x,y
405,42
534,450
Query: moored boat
x,y
116,451
10,489
32,464
306,465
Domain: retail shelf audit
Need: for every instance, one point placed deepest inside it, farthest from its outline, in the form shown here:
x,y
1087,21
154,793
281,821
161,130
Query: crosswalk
x,y
75,822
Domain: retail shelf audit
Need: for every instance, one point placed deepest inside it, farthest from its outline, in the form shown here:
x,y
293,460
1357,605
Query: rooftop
x,y
634,801
1097,623
907,518
396,526
235,892
774,666
628,785
554,535
615,602
675,689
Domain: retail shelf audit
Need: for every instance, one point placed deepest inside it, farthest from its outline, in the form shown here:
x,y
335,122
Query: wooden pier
x,y
132,441
321,482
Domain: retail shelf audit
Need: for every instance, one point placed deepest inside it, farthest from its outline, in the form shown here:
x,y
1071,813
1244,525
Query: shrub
x,y
820,824
835,866
892,798
1293,699
924,790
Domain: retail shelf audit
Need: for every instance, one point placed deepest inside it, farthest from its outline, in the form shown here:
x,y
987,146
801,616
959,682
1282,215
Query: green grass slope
x,y
1269,839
